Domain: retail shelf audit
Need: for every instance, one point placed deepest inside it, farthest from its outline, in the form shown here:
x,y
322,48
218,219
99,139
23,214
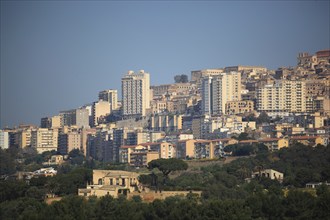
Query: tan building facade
x,y
110,96
100,109
185,149
238,107
24,138
68,142
137,156
111,182
43,139
141,154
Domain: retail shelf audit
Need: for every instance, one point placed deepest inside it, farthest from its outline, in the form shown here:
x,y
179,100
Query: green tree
x,y
299,205
7,163
166,166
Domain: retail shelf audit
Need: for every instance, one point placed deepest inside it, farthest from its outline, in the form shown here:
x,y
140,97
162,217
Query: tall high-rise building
x,y
110,96
135,93
218,90
207,95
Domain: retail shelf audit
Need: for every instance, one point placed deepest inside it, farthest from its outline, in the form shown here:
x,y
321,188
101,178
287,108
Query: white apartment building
x,y
136,93
4,139
110,96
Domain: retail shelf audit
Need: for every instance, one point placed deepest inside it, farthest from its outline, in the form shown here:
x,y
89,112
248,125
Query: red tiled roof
x,y
269,139
303,137
248,141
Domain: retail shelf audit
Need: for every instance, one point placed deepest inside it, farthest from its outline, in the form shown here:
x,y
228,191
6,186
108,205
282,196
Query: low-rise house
x,y
49,171
117,183
54,160
314,185
269,173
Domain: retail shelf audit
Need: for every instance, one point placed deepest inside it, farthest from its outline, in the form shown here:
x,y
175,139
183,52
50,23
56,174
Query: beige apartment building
x,y
185,149
319,119
282,96
43,139
141,154
238,107
100,109
68,142
137,155
74,117
165,150
51,122
110,96
135,93
24,137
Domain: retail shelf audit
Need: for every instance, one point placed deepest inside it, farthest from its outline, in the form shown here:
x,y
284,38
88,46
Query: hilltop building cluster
x,y
192,119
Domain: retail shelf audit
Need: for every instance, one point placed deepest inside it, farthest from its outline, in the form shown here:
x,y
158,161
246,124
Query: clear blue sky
x,y
57,55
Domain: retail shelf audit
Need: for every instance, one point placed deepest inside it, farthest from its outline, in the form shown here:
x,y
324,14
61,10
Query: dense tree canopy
x,y
225,193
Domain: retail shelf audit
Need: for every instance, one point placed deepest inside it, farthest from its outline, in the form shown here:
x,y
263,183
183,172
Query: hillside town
x,y
193,119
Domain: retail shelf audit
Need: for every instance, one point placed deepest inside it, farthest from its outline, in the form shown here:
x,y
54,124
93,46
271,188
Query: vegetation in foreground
x,y
225,195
